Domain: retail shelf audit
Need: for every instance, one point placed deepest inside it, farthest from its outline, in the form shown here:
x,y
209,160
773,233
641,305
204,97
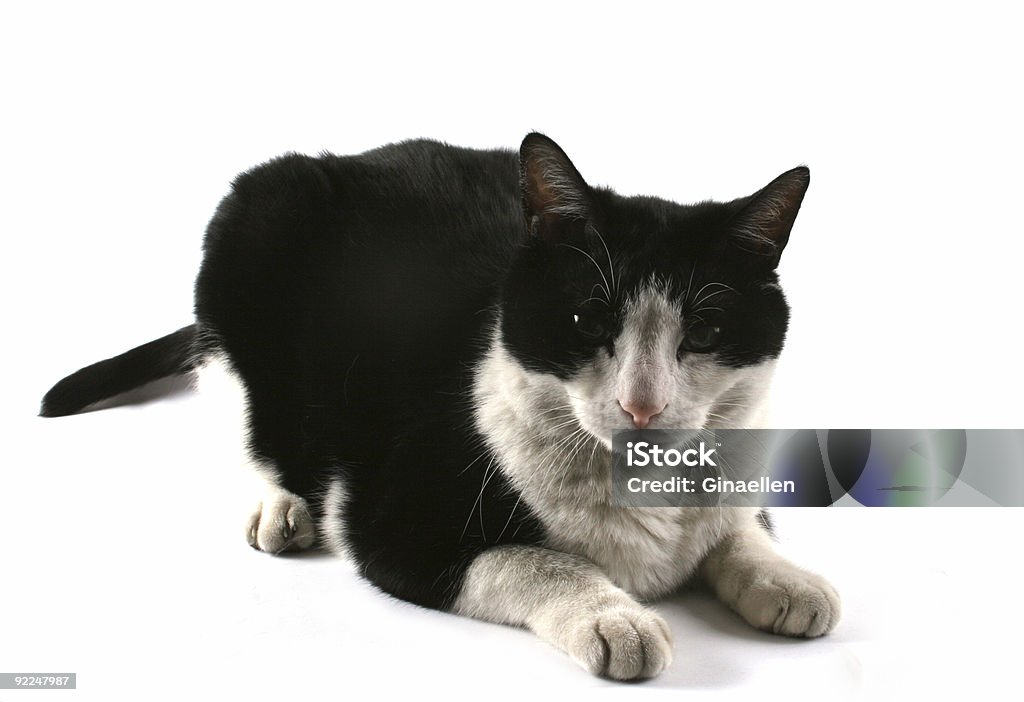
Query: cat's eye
x,y
589,326
701,338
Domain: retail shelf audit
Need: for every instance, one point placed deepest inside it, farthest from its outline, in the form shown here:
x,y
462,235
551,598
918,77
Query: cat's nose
x,y
641,412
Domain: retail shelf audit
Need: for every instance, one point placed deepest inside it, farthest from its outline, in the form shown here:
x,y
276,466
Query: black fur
x,y
166,356
355,295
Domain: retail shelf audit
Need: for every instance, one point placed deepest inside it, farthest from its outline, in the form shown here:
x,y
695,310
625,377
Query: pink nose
x,y
642,413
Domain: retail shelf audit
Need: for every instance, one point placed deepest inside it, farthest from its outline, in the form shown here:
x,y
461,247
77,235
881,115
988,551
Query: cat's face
x,y
642,313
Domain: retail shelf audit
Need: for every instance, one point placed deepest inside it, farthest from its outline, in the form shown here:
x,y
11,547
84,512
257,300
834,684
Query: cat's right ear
x,y
556,199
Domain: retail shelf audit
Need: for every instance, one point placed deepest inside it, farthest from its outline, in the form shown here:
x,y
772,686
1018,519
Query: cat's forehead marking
x,y
650,315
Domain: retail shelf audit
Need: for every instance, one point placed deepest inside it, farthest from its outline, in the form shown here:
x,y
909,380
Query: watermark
x,y
38,681
643,453
819,468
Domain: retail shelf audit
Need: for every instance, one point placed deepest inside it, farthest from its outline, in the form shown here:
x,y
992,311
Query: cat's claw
x,y
622,642
281,523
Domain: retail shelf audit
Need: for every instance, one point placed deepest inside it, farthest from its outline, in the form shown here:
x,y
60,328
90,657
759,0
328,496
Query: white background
x,y
122,127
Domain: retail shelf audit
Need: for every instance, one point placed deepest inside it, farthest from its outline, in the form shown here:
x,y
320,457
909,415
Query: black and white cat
x,y
433,346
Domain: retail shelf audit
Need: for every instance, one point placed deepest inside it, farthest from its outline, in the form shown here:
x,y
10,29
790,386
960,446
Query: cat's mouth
x,y
688,419
606,437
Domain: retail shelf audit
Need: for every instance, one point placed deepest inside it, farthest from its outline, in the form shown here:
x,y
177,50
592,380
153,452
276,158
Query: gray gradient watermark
x,y
819,468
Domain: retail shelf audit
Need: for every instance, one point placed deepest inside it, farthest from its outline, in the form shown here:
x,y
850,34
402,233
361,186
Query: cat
x,y
434,346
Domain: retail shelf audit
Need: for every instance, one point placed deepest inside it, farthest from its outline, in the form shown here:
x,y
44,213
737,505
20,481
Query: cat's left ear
x,y
763,224
556,199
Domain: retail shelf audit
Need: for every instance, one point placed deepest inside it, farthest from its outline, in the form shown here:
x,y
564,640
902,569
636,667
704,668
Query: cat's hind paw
x,y
281,522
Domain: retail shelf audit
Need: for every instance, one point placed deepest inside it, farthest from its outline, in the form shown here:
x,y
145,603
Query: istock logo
x,y
641,453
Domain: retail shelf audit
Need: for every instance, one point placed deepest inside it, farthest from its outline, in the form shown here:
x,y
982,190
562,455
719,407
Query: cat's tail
x,y
169,355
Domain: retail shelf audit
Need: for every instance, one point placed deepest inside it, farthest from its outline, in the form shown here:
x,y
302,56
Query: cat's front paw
x,y
787,600
280,523
622,641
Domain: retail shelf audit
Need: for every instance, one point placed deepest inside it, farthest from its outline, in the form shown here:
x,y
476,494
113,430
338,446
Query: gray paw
x,y
280,523
624,642
789,601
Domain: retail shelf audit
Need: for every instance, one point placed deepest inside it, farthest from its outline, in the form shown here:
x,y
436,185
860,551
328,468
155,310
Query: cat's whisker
x,y
606,287
473,462
731,404
611,266
555,414
565,414
479,498
564,424
686,295
564,409
581,437
566,470
721,402
556,421
593,451
561,443
710,295
544,466
561,447
494,471
556,408
510,515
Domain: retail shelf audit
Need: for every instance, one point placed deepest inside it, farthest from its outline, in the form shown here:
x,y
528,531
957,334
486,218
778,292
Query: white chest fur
x,y
646,551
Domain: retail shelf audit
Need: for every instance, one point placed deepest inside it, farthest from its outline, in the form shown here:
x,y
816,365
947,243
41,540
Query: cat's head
x,y
637,312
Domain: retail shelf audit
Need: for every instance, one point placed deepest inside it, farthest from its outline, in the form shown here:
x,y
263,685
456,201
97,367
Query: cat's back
x,y
416,230
408,193
421,177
